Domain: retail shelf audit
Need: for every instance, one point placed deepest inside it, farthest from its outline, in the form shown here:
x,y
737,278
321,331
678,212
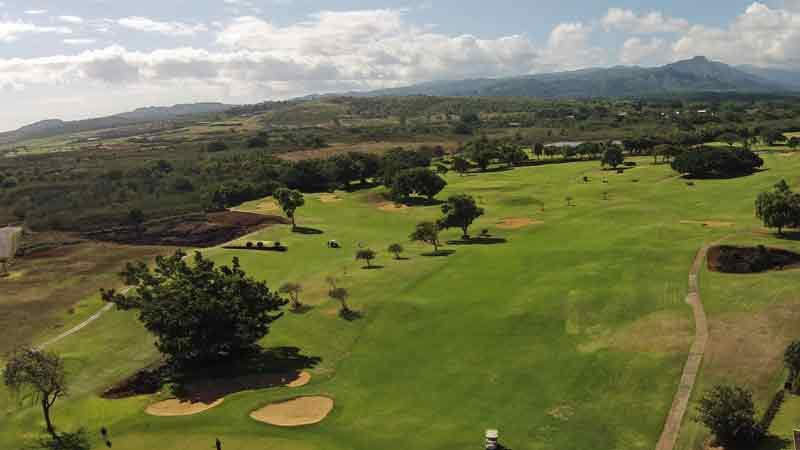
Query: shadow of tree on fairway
x,y
258,369
302,309
307,230
479,241
350,315
439,254
372,267
772,442
420,201
789,236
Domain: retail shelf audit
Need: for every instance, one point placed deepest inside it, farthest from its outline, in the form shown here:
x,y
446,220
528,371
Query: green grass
x,y
571,335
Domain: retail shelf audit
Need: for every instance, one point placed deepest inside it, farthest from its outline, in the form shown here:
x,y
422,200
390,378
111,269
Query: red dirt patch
x,y
515,223
195,230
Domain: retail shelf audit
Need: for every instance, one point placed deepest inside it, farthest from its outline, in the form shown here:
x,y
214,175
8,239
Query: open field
x,y
570,335
51,290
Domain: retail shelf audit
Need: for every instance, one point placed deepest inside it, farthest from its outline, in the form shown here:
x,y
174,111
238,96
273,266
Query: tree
x,y
729,413
613,157
40,375
538,150
793,143
396,250
427,232
791,358
779,208
420,180
290,200
198,313
460,165
293,290
216,146
136,218
340,295
366,255
773,136
513,155
460,211
729,138
712,162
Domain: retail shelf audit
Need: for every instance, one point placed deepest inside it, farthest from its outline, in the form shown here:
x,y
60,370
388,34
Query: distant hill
x,y
694,75
786,78
54,127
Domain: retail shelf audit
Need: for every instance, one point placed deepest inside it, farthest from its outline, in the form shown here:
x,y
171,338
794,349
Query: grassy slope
x,y
572,335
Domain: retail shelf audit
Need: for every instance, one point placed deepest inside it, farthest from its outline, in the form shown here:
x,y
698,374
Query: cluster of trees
x,y
460,211
710,162
779,208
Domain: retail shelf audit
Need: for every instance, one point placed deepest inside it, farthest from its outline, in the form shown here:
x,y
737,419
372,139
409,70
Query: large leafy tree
x,y
41,376
729,413
420,180
198,312
717,162
460,211
290,200
779,208
613,157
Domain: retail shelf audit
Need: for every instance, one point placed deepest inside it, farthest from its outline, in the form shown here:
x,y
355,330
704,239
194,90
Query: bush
x,y
249,245
260,244
709,162
216,146
729,413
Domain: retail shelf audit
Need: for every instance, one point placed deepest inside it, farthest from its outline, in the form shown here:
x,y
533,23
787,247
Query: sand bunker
x,y
329,198
515,223
295,412
302,379
392,207
175,407
708,223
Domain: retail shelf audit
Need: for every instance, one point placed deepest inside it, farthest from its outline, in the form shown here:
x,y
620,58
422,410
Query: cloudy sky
x,y
74,59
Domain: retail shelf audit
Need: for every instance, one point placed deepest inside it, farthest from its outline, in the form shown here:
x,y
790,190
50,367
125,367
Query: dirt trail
x,y
672,427
79,326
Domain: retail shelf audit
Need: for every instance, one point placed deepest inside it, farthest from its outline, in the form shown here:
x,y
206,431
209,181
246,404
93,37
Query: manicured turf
x,y
570,335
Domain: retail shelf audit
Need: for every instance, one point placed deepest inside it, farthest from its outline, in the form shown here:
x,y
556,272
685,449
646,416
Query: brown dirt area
x,y
660,332
329,198
392,207
295,412
515,223
563,412
708,223
195,230
54,280
378,148
747,348
175,407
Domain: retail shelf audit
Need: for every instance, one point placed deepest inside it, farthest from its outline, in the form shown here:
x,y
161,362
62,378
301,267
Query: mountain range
x,y
698,74
54,127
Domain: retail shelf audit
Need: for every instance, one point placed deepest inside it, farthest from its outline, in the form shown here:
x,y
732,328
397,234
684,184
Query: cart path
x,y
672,428
107,307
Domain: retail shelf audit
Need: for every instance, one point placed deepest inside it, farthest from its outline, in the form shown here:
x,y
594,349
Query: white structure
x,y
492,438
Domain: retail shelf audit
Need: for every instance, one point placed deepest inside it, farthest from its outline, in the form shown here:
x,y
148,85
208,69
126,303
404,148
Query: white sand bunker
x,y
392,207
295,412
175,407
515,223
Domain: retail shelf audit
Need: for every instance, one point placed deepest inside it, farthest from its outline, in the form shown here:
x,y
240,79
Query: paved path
x,y
81,325
672,427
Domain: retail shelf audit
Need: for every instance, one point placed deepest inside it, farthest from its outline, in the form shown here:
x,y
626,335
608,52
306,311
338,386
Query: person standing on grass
x,y
219,444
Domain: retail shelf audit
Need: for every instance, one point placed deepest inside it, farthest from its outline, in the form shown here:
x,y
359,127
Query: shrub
x,y
709,162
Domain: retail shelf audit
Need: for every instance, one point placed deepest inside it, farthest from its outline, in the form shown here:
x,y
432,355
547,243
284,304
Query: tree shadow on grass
x,y
479,241
789,236
302,309
420,201
774,443
439,254
307,230
350,315
373,267
257,369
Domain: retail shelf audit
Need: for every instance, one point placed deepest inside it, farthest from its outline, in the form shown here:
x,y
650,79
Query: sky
x,y
74,59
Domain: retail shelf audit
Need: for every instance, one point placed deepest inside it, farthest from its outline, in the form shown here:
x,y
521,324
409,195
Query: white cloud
x,y
639,51
762,36
11,31
168,28
36,12
79,41
652,22
70,19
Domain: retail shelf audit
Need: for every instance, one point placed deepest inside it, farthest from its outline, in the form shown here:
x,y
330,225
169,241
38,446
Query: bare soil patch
x,y
660,332
732,259
329,198
295,412
515,223
193,230
708,223
392,207
268,206
175,407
